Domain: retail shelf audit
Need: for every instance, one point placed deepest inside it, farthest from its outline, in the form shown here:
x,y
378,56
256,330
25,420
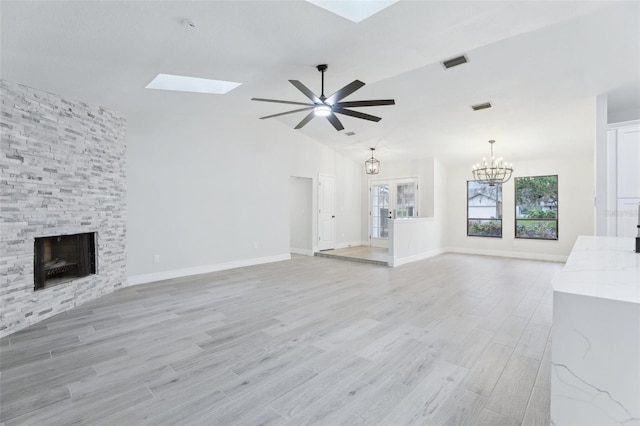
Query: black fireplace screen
x,y
62,258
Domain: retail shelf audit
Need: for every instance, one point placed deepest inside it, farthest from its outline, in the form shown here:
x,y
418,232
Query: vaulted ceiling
x,y
541,64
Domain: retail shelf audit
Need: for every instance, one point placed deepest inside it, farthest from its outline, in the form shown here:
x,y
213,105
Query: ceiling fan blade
x,y
304,89
305,120
365,103
335,122
357,114
345,91
288,112
278,101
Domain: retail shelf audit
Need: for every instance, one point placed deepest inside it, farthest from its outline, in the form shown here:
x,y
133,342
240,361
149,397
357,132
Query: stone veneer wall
x,y
62,171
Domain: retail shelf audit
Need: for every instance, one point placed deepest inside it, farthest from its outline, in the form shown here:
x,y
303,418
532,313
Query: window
x,y
484,209
537,207
406,199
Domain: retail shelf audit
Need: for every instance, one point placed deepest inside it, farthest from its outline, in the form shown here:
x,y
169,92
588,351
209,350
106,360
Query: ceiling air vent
x,y
450,63
478,107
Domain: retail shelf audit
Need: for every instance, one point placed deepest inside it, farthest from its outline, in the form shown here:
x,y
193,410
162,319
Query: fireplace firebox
x,y
61,258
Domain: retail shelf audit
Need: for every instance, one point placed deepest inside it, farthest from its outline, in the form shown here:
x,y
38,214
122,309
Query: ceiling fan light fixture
x,y
328,107
322,110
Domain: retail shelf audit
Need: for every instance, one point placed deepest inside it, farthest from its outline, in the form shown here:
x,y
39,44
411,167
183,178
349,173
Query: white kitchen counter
x,y
596,335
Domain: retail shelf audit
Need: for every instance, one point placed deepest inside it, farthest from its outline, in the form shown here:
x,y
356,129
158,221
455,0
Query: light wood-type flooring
x,y
454,339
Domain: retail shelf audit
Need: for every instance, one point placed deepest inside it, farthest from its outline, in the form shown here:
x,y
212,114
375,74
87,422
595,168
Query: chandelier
x,y
372,166
494,171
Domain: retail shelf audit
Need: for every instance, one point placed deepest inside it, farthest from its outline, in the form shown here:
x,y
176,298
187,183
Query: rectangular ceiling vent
x,y
450,63
478,107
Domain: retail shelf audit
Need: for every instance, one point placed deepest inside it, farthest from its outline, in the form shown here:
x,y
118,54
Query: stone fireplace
x,y
63,189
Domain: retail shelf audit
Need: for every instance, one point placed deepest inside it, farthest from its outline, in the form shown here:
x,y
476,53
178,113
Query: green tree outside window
x,y
537,207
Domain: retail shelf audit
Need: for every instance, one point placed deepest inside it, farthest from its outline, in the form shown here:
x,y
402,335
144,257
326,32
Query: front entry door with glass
x,y
391,199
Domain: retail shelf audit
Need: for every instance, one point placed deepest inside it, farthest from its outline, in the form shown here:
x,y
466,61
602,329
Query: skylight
x,y
180,83
353,10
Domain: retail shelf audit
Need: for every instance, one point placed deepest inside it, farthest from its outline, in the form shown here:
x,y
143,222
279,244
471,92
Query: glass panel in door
x,y
380,211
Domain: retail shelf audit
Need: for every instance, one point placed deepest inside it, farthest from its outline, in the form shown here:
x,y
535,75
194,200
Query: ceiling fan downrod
x,y
322,68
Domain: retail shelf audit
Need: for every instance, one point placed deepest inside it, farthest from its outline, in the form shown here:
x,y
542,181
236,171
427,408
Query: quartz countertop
x,y
604,267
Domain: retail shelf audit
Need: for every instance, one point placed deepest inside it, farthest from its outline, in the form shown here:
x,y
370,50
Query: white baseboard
x,y
511,254
305,252
197,270
414,258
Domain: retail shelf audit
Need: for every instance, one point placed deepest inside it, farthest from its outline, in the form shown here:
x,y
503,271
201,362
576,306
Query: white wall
x,y
210,192
348,199
440,203
576,212
301,215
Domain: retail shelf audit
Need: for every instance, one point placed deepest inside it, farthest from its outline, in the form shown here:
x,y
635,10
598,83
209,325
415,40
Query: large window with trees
x,y
484,209
537,207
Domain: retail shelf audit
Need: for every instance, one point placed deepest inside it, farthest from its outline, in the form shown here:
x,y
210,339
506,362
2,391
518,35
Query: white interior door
x,y
326,211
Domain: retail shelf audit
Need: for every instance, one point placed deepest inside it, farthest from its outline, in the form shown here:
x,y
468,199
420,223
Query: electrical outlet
x,y
156,258
255,244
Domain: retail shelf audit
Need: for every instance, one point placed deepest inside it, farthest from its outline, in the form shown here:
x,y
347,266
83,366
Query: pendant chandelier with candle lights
x,y
493,171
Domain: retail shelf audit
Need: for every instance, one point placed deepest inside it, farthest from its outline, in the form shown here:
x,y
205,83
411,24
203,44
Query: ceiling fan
x,y
323,106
